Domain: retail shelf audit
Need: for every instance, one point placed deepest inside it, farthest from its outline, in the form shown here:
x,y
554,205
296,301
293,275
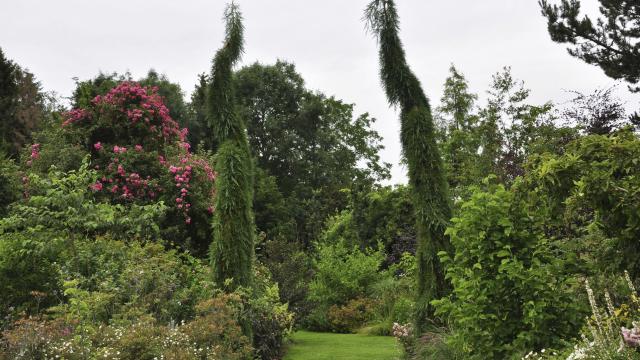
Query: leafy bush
x,y
58,212
591,195
213,334
270,319
118,281
342,274
610,332
291,268
351,316
509,292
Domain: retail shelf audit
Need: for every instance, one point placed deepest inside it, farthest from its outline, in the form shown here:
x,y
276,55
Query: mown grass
x,y
327,346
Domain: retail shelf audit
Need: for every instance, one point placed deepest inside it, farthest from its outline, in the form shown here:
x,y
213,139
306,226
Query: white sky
x,y
62,39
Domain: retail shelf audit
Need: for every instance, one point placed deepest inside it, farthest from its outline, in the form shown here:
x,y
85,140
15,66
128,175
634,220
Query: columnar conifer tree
x,y
426,176
232,249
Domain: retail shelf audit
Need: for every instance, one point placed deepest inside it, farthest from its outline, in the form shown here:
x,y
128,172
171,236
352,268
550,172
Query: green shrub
x,y
213,334
42,232
342,274
118,281
509,292
271,320
351,316
590,195
291,268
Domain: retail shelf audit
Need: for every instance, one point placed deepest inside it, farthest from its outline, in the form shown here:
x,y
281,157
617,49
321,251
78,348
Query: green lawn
x,y
326,346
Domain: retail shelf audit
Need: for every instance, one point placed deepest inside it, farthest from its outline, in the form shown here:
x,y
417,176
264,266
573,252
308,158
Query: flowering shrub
x,y
605,335
404,334
213,334
141,157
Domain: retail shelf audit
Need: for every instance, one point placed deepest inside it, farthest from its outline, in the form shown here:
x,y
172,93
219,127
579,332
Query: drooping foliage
x,y
232,248
426,170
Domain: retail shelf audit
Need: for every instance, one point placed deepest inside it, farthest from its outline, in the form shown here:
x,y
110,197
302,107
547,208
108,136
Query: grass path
x,y
327,346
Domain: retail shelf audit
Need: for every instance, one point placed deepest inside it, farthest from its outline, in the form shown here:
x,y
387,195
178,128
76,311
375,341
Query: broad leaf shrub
x,y
271,320
591,193
76,291
342,274
58,212
509,293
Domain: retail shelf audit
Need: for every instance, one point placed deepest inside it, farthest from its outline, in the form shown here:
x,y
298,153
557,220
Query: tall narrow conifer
x,y
232,249
426,176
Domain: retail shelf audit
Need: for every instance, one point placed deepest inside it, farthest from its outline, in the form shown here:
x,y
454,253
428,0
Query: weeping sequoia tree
x,y
426,177
233,225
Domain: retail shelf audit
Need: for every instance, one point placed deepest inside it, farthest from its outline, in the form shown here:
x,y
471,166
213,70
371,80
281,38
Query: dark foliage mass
x,y
23,106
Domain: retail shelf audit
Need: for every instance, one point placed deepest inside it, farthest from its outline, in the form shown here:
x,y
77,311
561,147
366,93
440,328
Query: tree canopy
x,y
610,42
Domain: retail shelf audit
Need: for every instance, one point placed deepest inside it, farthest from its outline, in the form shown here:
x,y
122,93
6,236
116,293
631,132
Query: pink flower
x,y
97,146
35,151
631,337
97,186
188,221
173,169
138,148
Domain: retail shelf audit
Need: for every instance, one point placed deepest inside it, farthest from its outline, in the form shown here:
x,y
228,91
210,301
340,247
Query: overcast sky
x,y
62,39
